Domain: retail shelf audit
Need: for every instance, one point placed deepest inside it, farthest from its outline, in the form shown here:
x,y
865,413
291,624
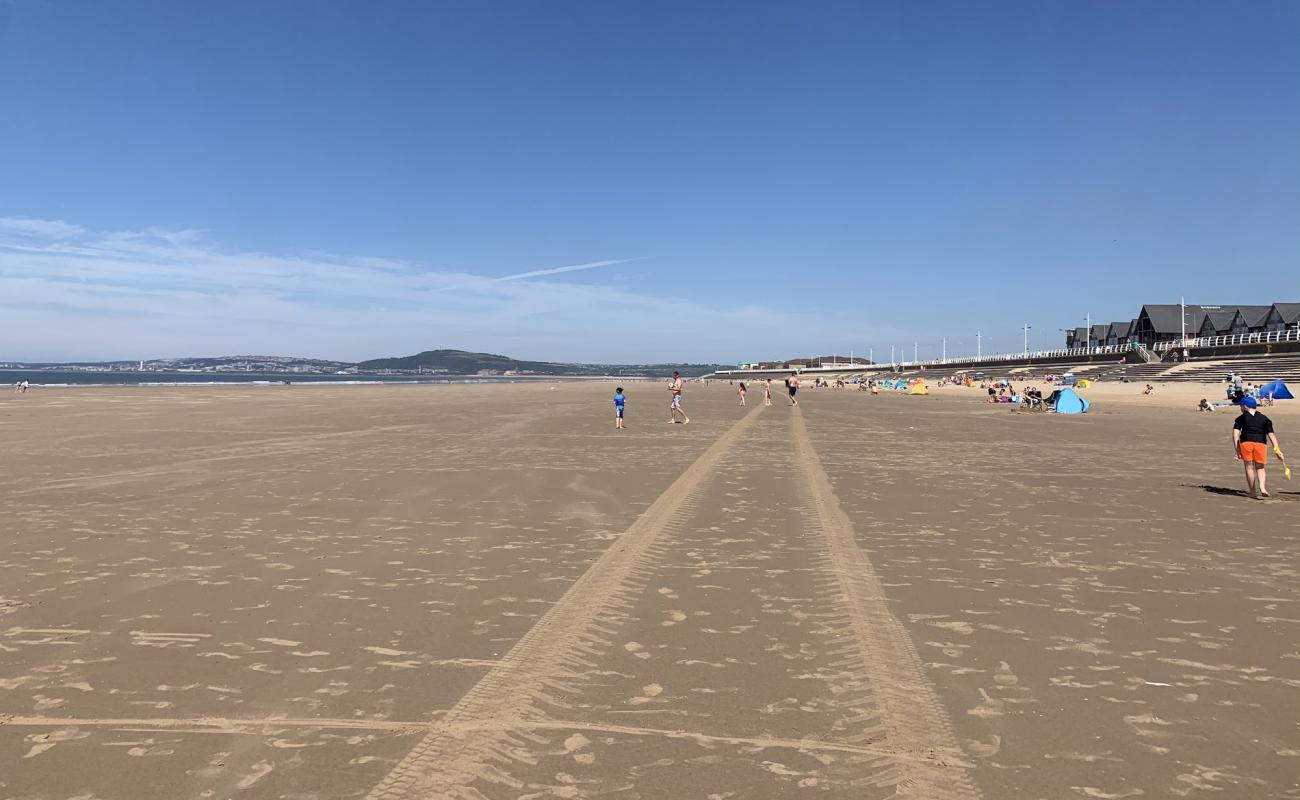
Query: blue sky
x,y
755,179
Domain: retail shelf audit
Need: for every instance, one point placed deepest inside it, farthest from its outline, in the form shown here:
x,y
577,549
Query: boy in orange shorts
x,y
1252,433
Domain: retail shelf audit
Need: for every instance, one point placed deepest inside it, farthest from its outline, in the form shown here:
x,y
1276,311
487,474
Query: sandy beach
x,y
488,592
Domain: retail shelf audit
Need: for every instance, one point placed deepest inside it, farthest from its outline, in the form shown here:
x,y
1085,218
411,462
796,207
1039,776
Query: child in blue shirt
x,y
618,407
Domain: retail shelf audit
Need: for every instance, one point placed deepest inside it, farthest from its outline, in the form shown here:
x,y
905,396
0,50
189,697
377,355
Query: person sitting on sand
x,y
1149,390
1252,433
1205,405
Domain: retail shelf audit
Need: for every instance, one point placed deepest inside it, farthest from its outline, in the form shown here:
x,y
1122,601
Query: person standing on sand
x,y
675,407
767,392
792,383
1252,433
619,400
742,393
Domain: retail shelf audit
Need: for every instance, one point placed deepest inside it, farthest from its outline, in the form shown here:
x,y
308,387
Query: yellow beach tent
x,y
919,388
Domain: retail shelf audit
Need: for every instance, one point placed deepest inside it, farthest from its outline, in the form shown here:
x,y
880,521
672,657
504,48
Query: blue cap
x,y
1249,402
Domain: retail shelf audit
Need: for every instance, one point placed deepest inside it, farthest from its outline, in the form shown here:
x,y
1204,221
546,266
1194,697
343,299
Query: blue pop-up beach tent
x,y
1276,390
1067,401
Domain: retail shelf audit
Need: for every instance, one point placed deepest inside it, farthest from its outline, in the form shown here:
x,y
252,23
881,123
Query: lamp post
x,y
979,345
944,357
1026,338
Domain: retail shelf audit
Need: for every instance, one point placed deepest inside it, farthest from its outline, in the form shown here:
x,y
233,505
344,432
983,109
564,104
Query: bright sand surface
x,y
487,591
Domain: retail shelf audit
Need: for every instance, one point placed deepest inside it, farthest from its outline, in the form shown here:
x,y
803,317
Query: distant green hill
x,y
460,362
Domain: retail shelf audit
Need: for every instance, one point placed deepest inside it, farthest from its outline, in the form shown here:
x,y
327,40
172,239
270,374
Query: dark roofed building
x,y
1282,316
1165,323
1253,316
1222,323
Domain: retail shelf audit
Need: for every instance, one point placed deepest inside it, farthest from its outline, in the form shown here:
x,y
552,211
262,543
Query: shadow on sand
x,y
1223,490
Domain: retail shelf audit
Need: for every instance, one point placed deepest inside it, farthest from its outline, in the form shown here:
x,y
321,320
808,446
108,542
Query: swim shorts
x,y
677,401
793,389
1254,451
620,412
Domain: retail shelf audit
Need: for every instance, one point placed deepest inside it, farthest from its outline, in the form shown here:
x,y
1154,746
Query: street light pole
x,y
1087,333
1026,338
944,357
979,348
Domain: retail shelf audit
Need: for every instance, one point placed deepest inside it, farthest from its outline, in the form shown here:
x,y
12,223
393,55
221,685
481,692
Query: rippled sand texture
x,y
488,592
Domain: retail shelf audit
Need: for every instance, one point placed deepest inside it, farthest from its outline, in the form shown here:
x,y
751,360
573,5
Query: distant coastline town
x,y
430,363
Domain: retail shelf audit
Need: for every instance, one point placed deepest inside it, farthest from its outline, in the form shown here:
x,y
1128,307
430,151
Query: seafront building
x,y
1194,342
1156,323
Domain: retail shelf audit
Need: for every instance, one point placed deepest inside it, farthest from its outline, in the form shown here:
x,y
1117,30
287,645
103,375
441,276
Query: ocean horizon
x,y
81,378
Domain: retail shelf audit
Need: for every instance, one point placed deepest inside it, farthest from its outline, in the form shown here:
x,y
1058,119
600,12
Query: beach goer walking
x,y
675,407
619,400
1252,433
742,393
767,392
792,384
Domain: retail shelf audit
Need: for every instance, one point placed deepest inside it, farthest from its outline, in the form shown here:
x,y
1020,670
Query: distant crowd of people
x,y
1252,432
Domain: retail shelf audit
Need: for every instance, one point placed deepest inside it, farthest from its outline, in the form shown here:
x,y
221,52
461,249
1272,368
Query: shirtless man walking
x,y
675,407
792,383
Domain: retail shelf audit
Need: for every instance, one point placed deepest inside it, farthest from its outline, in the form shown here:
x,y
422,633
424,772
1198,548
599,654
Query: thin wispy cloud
x,y
44,228
67,292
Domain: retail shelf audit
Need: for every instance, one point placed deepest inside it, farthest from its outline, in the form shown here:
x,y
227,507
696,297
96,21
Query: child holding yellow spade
x,y
1252,433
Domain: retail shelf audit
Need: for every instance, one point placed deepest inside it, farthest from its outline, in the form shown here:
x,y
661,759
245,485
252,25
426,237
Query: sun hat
x,y
1250,402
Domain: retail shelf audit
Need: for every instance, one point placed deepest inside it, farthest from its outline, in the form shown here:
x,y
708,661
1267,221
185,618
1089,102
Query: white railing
x,y
1084,352
1259,337
1110,349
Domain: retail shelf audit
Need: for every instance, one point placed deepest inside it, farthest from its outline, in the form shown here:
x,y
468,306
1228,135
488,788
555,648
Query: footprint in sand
x,y
991,707
1004,676
260,770
577,743
674,617
636,649
45,741
648,693
983,748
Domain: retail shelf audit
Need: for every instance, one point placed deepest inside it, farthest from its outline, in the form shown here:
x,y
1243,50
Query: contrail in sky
x,y
536,273
557,270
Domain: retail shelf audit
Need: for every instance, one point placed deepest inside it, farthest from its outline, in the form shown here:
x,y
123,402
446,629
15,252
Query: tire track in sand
x,y
538,671
884,672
